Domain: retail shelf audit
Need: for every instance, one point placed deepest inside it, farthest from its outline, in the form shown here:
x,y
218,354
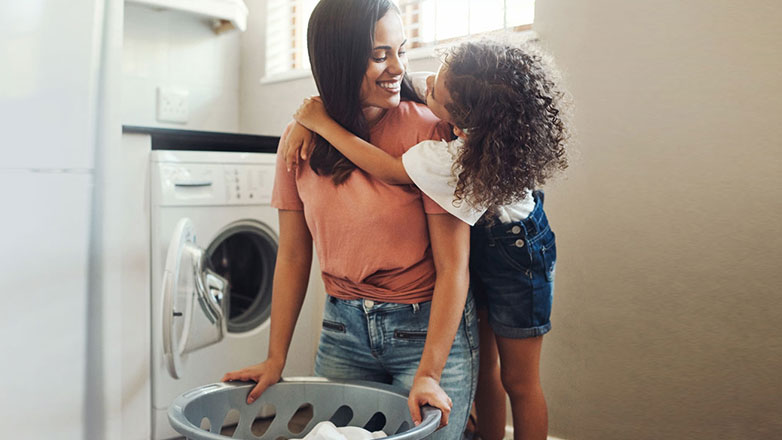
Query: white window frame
x,y
291,33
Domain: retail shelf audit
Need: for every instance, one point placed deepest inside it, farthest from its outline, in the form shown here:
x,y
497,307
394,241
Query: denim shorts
x,y
512,273
383,342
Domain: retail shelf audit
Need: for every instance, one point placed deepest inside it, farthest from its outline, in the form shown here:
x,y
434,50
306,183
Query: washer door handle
x,y
193,183
208,323
210,290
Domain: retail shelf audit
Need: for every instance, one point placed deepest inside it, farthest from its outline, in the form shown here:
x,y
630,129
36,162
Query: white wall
x,y
265,109
180,50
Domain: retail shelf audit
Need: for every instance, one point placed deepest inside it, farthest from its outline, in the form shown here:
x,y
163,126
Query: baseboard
x,y
509,434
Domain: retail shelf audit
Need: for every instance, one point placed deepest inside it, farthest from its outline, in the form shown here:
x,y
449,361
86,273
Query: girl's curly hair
x,y
505,96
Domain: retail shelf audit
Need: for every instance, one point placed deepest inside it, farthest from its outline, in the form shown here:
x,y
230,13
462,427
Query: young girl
x,y
506,109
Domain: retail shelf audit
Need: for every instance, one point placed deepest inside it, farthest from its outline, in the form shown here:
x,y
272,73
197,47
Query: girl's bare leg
x,y
520,372
490,395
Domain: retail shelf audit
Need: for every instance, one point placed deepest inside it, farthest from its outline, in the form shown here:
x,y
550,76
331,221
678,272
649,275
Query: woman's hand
x,y
265,374
427,391
299,138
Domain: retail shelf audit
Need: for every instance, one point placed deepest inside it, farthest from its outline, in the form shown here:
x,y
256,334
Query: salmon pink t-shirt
x,y
371,238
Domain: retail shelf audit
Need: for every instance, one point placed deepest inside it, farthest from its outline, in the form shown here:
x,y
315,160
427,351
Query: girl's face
x,y
437,96
382,82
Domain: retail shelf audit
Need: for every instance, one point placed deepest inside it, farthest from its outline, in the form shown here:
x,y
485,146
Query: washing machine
x,y
214,239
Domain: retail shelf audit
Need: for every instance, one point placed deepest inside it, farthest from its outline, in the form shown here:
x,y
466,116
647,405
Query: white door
x,y
194,300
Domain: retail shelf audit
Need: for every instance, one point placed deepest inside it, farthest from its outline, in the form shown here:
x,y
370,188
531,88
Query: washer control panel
x,y
248,183
196,184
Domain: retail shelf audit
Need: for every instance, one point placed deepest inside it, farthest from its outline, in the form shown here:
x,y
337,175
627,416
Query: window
x,y
427,23
286,36
431,22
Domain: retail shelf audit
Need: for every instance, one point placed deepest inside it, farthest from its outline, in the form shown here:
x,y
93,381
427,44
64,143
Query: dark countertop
x,y
174,139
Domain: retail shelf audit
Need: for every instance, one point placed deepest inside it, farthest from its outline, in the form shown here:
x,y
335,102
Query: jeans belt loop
x,y
416,308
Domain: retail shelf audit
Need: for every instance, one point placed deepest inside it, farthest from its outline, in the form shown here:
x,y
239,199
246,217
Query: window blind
x,y
427,23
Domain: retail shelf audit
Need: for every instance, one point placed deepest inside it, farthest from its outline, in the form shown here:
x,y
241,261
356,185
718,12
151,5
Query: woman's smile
x,y
392,86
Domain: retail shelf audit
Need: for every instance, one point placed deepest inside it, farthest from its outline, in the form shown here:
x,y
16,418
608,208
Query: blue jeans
x,y
512,273
383,342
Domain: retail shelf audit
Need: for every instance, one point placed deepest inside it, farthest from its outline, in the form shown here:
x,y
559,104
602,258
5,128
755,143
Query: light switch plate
x,y
172,104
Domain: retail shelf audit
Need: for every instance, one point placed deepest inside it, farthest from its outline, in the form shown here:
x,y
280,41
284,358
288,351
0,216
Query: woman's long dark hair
x,y
340,38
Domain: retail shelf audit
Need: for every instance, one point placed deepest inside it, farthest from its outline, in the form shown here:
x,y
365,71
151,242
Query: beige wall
x,y
667,320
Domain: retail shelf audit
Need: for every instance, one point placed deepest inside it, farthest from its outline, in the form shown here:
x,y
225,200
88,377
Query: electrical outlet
x,y
172,105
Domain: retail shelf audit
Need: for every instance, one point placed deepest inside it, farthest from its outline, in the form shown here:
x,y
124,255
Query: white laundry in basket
x,y
329,431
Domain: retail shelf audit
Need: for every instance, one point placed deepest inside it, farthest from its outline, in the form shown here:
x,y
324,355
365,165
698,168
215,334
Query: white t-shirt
x,y
429,165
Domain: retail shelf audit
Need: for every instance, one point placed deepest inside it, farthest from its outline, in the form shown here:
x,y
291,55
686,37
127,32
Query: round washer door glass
x,y
245,253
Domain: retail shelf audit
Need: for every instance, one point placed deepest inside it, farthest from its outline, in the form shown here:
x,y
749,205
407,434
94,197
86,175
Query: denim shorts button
x,y
519,243
516,229
368,303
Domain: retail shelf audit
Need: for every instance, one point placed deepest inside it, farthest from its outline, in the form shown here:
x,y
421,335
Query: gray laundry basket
x,y
371,405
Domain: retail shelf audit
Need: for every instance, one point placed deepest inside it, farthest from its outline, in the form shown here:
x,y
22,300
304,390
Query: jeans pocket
x,y
549,254
333,326
470,323
410,335
515,253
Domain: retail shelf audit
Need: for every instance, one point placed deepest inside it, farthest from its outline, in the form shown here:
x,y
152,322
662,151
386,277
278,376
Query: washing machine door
x,y
194,300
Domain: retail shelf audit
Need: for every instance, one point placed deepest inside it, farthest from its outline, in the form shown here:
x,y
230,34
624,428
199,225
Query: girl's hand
x,y
427,391
299,138
265,374
312,114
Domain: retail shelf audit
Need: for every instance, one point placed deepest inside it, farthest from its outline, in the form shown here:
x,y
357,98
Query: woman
x,y
387,317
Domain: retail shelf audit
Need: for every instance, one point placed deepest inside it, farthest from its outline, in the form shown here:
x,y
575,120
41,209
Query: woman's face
x,y
382,82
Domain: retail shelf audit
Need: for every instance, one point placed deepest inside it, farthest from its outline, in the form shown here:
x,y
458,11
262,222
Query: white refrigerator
x,y
56,123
